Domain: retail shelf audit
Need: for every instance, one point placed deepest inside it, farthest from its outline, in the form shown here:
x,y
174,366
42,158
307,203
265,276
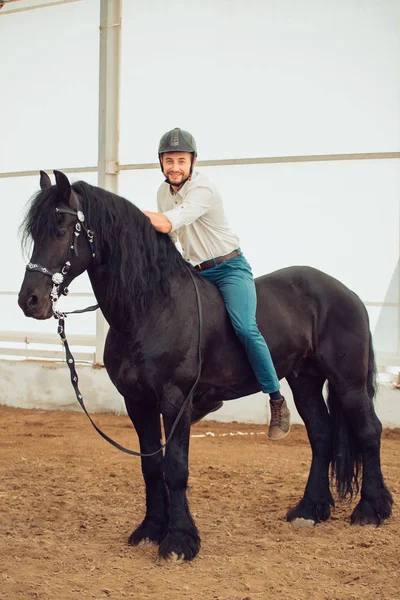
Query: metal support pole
x,y
109,85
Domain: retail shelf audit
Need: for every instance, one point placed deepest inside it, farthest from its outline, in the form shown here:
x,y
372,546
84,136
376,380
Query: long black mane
x,y
141,260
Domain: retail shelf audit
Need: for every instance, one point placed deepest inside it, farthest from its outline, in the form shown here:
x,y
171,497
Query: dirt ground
x,y
68,502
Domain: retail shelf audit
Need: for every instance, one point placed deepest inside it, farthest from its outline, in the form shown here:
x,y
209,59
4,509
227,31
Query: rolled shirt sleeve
x,y
196,204
172,234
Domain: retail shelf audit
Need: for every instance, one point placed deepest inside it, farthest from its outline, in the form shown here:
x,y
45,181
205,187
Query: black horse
x,y
316,328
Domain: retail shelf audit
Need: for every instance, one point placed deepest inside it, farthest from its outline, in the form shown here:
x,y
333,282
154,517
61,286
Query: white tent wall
x,y
255,79
261,78
50,87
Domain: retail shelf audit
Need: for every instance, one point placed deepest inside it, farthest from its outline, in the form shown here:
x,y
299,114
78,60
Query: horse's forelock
x,y
40,221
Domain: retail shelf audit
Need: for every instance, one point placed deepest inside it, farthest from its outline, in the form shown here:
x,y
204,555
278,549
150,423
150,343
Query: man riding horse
x,y
191,211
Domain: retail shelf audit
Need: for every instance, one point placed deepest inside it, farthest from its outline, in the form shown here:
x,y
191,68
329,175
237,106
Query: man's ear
x,y
63,186
44,181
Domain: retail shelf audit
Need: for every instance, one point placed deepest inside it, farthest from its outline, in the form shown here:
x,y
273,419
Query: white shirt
x,y
198,219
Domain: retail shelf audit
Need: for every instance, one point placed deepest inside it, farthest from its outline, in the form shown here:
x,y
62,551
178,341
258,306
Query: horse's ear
x,y
63,185
44,181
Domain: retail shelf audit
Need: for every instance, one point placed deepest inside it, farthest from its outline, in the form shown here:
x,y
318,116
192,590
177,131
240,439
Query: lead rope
x,y
74,375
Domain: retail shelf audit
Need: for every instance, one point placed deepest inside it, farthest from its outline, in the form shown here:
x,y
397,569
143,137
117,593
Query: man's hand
x,y
159,221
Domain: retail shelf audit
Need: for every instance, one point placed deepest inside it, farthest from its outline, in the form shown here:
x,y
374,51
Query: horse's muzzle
x,y
34,300
33,307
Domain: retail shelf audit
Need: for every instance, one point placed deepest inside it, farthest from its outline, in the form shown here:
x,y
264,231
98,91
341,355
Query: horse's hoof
x,y
300,523
373,513
147,533
146,542
179,546
171,558
365,515
310,512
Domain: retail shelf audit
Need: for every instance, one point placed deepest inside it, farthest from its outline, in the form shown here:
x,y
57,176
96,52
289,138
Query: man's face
x,y
176,166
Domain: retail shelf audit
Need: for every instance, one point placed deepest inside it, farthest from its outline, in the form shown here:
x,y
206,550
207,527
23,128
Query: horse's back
x,y
304,292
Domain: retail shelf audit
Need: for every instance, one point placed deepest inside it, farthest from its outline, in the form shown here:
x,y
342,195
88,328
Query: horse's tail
x,y
346,458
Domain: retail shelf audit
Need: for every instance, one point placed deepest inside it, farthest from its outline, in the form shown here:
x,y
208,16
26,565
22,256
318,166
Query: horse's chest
x,y
134,366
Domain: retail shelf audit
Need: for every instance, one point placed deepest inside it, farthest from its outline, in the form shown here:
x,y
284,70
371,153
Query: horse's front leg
x,y
182,541
147,424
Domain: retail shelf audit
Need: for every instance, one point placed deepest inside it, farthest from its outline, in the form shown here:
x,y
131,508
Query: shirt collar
x,y
181,193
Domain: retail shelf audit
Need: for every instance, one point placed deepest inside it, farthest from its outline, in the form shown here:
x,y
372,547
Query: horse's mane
x,y
141,260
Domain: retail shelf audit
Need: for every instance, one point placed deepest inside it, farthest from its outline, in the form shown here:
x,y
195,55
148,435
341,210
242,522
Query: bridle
x,y
57,279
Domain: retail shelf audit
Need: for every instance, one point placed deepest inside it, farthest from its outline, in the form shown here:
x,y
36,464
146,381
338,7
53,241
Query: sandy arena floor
x,y
68,502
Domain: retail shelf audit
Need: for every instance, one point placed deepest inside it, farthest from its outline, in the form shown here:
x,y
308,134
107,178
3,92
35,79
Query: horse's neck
x,y
125,312
134,268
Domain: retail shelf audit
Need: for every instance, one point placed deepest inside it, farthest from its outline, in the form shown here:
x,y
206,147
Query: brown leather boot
x,y
279,425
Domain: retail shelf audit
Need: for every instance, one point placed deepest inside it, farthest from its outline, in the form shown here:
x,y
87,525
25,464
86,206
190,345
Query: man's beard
x,y
177,185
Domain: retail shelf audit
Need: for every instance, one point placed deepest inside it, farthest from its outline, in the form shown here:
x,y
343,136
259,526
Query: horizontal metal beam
x,y
22,337
12,11
70,295
387,359
47,354
383,304
225,162
266,160
35,173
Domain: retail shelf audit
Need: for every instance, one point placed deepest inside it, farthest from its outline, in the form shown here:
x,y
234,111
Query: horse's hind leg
x,y
348,361
364,427
317,500
147,424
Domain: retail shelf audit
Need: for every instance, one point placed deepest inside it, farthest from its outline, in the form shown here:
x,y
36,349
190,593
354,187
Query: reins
x,y
57,279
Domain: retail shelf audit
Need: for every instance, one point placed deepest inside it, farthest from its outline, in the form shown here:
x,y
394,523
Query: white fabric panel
x,y
384,322
261,78
49,90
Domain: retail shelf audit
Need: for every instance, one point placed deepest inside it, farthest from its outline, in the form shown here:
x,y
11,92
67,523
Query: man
x,y
191,211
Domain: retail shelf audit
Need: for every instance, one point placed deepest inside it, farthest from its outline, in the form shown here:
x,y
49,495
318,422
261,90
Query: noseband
x,y
58,277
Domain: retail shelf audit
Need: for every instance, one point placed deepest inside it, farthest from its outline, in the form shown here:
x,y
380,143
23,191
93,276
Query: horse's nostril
x,y
32,301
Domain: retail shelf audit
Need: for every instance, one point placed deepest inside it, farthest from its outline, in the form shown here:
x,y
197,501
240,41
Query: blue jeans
x,y
234,279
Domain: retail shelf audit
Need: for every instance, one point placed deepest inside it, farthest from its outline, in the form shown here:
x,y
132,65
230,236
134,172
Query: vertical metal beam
x,y
109,86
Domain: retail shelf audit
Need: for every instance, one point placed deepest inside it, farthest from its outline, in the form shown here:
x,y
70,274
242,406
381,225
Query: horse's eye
x,y
61,233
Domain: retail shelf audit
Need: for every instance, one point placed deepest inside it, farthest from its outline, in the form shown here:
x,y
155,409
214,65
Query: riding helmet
x,y
177,140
